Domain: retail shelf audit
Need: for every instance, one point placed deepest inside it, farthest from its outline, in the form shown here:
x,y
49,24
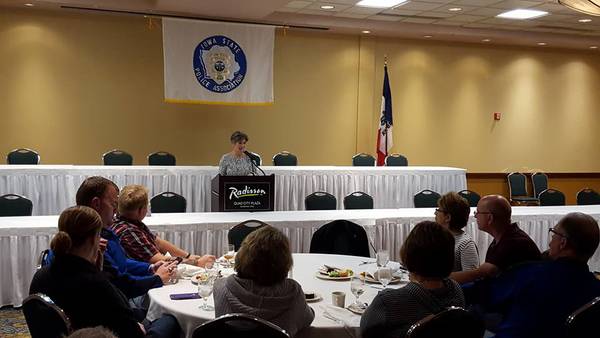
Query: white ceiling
x,y
475,23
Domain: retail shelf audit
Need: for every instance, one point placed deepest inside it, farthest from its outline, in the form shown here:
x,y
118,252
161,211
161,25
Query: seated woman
x,y
428,254
75,283
236,162
261,287
137,240
453,214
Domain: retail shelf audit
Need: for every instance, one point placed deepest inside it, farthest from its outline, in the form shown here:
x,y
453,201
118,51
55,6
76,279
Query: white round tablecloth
x,y
305,267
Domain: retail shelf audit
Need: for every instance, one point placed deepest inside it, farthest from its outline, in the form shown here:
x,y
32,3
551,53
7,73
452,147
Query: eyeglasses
x,y
475,213
557,233
440,210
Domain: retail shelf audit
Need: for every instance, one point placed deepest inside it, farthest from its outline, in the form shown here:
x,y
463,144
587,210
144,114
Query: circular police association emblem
x,y
219,64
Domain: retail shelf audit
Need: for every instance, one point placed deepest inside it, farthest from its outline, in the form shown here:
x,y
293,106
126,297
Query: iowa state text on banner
x,y
218,63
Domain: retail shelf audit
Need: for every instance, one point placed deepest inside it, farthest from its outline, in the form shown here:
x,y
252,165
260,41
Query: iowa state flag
x,y
384,134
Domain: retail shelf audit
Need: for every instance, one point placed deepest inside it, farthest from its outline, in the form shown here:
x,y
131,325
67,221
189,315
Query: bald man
x,y
536,299
510,246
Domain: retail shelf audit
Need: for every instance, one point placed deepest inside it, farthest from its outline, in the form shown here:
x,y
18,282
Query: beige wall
x,y
75,85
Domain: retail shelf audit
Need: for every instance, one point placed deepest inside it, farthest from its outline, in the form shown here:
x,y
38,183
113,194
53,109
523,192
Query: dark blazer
x,y
86,295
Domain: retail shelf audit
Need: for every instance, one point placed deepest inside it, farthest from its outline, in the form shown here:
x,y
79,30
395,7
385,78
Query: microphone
x,y
252,161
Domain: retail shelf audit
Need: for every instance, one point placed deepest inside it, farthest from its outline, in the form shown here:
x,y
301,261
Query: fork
x,y
329,316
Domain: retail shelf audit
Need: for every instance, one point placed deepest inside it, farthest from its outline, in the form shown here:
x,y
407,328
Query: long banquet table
x,y
23,238
52,188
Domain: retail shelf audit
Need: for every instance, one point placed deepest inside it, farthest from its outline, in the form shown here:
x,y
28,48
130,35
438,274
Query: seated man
x,y
536,299
510,246
136,238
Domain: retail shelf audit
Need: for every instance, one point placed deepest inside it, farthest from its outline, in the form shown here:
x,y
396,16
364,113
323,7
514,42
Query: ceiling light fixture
x,y
541,43
591,7
427,36
327,7
366,32
29,5
486,40
455,9
380,3
584,20
593,47
522,14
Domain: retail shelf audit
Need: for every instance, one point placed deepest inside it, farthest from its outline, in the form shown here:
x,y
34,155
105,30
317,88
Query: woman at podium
x,y
236,162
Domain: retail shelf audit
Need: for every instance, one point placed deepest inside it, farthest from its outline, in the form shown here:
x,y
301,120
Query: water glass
x,y
357,287
383,257
205,289
384,275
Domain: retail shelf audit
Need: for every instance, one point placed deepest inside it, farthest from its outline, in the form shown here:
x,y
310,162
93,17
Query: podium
x,y
242,193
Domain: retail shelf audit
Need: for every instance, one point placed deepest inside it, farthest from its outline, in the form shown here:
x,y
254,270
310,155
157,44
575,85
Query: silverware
x,y
366,262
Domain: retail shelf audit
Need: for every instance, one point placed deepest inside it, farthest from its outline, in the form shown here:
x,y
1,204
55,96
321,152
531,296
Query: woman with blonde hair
x,y
75,283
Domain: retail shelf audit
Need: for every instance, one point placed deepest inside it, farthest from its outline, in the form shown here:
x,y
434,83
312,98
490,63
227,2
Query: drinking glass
x,y
357,287
383,257
205,289
384,276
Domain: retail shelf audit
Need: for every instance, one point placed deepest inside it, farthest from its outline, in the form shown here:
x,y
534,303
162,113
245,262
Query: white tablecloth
x,y
52,188
190,316
23,238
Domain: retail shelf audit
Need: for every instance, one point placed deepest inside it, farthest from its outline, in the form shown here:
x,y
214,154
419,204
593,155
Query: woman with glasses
x,y
453,214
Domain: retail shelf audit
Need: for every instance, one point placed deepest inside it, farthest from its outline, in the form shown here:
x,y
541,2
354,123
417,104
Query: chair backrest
x,y
23,156
320,200
239,325
584,321
15,205
44,318
588,196
43,259
285,158
396,160
117,157
238,233
471,197
256,159
426,199
166,202
363,160
517,184
451,322
340,237
539,182
358,200
552,197
161,158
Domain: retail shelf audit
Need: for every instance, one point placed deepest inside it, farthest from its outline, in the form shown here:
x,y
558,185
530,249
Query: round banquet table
x,y
305,267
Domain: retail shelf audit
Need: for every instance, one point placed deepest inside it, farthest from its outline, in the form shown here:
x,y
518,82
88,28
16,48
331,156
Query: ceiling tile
x,y
351,15
400,11
466,18
514,4
363,10
298,4
419,6
475,2
489,12
417,20
385,18
315,12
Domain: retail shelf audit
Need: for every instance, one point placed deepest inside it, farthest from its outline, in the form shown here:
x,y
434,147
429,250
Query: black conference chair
x,y
285,158
358,200
15,205
517,188
363,160
552,197
451,322
396,160
44,318
167,202
117,157
471,197
588,196
426,199
23,156
340,237
161,158
239,325
43,259
255,158
539,181
320,200
583,323
238,233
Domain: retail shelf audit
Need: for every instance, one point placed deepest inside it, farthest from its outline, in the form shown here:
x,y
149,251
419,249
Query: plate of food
x,y
312,297
372,278
333,273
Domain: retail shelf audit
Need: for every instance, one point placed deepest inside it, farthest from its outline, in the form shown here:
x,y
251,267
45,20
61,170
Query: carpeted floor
x,y
12,323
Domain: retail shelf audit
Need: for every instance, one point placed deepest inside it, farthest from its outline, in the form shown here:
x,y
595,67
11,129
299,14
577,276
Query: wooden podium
x,y
242,193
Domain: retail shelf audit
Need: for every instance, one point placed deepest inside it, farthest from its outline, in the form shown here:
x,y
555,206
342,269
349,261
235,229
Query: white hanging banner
x,y
218,63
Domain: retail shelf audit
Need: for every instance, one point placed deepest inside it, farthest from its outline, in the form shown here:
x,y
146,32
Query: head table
x,y
305,267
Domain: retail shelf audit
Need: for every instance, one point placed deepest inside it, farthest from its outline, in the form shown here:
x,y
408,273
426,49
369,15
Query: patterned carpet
x,y
12,323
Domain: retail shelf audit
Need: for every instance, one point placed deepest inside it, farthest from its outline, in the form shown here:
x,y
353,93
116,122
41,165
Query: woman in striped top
x,y
453,213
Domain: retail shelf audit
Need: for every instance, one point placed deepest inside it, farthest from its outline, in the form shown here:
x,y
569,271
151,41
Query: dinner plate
x,y
370,279
356,310
326,277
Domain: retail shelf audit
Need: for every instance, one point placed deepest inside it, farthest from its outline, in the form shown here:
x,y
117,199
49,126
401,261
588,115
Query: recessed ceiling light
x,y
427,36
455,9
522,14
327,7
380,3
585,20
486,40
29,5
593,47
366,32
541,43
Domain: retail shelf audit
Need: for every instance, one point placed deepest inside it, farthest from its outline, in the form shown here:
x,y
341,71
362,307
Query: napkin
x,y
345,316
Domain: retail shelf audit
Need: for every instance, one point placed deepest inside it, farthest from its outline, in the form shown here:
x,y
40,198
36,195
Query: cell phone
x,y
180,296
178,260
